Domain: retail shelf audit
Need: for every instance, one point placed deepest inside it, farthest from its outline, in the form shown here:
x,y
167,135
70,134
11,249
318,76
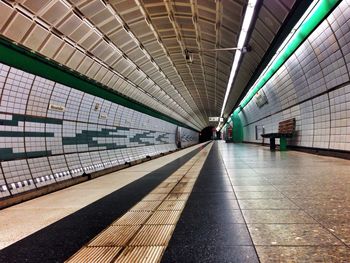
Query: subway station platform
x,y
213,202
109,115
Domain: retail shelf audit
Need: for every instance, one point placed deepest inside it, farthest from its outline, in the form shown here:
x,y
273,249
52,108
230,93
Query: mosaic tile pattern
x,y
313,87
50,132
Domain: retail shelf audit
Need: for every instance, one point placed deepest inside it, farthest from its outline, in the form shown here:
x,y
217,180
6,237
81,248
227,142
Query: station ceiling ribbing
x,y
136,47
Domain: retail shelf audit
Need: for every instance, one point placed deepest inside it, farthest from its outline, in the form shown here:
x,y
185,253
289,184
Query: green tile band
x,y
22,58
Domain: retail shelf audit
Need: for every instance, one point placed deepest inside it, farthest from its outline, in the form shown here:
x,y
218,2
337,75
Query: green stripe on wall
x,y
21,58
322,10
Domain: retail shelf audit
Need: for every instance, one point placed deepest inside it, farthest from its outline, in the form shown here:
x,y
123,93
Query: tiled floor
x,y
142,233
47,209
54,226
211,227
288,206
247,205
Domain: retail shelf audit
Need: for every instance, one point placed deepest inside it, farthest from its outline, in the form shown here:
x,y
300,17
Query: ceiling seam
x,y
182,46
166,51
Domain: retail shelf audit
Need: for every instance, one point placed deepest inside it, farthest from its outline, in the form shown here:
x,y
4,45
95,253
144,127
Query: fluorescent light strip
x,y
280,51
315,14
248,16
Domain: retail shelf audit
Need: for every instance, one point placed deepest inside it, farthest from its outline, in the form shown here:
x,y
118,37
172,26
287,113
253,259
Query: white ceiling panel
x,y
137,47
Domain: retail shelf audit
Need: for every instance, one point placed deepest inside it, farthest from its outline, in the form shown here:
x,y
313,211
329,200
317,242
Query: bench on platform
x,y
285,130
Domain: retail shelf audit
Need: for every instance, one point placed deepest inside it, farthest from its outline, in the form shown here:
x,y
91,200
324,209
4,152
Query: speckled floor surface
x,y
247,205
251,205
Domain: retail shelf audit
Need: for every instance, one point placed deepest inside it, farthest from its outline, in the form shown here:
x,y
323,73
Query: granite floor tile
x,y
277,217
331,217
340,195
259,195
314,188
291,235
237,165
254,188
340,230
256,204
239,173
329,254
250,183
295,205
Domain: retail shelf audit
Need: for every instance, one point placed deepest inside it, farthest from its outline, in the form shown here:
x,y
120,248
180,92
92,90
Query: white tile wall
x,y
313,87
33,134
16,91
340,118
4,190
39,97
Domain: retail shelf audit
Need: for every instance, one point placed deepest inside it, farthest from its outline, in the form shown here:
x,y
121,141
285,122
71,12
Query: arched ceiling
x,y
136,47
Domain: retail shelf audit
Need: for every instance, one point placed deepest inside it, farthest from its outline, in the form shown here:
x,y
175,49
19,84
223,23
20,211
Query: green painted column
x,y
237,130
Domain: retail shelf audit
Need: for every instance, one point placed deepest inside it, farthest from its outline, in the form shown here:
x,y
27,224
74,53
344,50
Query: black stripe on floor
x,y
211,227
58,241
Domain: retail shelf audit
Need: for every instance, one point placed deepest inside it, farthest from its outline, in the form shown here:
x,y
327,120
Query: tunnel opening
x,y
207,134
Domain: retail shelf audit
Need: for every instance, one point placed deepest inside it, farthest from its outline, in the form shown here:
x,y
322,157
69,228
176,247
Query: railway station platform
x,y
213,202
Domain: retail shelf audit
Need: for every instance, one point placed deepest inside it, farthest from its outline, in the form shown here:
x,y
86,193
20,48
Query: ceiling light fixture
x,y
189,53
243,49
247,20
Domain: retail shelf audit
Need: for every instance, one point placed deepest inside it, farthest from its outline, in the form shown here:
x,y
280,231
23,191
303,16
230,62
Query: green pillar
x,y
237,130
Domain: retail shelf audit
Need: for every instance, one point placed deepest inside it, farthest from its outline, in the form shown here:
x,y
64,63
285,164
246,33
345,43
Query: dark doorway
x,y
206,134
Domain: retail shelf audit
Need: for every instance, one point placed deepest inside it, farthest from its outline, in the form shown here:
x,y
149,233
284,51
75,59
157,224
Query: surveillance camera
x,y
188,56
246,49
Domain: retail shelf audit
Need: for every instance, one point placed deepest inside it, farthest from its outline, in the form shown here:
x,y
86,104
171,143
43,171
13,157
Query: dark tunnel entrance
x,y
208,133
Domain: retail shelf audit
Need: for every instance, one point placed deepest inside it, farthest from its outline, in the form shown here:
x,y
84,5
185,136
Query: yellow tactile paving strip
x,y
143,233
153,235
96,254
133,218
164,218
141,254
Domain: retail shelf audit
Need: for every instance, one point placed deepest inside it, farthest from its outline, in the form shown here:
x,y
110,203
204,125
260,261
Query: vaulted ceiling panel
x,y
137,47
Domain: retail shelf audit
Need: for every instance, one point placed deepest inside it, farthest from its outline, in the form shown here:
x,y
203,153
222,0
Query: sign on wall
x,y
216,119
56,107
260,98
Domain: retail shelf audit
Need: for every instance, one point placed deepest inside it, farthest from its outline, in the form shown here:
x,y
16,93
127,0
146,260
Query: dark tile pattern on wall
x,y
90,138
50,133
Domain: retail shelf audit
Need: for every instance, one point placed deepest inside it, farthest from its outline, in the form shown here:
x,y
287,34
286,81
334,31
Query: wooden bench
x,y
285,130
